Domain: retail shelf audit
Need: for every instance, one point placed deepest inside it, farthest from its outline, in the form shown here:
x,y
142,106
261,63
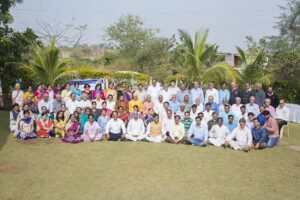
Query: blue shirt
x,y
225,115
214,107
180,95
198,132
196,93
174,106
259,134
231,127
224,94
77,93
261,119
102,121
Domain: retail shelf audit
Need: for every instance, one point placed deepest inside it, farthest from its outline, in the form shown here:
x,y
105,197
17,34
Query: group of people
x,y
173,112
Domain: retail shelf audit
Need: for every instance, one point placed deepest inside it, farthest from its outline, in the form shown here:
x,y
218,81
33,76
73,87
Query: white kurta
x,y
243,137
85,104
135,130
218,134
207,116
236,109
212,92
177,131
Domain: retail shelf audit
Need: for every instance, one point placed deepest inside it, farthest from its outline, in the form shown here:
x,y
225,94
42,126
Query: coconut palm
x,y
45,66
201,60
252,69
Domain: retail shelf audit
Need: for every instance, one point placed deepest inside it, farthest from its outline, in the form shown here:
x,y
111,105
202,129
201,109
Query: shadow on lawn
x,y
4,131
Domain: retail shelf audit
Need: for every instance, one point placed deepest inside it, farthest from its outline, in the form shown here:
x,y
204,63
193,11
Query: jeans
x,y
272,142
197,141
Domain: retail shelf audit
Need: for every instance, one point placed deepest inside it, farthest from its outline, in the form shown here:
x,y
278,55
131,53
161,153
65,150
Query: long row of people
x,y
173,114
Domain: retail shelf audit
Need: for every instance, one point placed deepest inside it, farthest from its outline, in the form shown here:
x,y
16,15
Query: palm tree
x,y
201,60
45,65
252,69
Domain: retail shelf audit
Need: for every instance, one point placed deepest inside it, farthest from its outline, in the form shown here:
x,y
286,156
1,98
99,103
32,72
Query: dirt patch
x,y
37,141
5,168
295,148
281,143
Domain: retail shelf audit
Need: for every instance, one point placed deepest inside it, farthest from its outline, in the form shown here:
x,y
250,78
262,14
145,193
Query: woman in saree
x,y
83,119
91,130
45,127
38,94
26,127
104,107
72,131
60,124
128,93
66,93
98,90
123,115
87,91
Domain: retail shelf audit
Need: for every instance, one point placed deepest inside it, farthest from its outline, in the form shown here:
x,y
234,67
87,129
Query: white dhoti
x,y
156,139
216,141
236,145
134,138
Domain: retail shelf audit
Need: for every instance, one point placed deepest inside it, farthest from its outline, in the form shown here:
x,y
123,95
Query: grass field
x,y
49,169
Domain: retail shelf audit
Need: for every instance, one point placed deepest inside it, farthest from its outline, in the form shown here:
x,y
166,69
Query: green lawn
x,y
49,169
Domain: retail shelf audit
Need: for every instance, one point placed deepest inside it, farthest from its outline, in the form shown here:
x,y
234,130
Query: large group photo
x,y
149,100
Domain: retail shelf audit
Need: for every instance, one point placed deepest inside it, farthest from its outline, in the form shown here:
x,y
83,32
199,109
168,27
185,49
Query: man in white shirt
x,y
115,128
176,132
166,123
240,138
159,106
181,111
196,92
252,106
207,113
17,95
165,93
98,101
243,113
198,134
135,129
141,93
218,133
236,108
211,91
72,104
110,103
173,89
282,114
194,112
154,89
47,103
85,102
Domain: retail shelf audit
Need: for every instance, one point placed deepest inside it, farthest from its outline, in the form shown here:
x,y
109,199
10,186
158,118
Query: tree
x,y
14,48
45,65
128,34
153,54
201,61
254,63
289,28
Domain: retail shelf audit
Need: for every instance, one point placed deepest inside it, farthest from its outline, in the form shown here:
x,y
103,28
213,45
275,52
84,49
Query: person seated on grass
x,y
13,116
218,133
83,119
259,135
91,130
21,116
198,134
45,127
72,130
231,124
26,127
240,138
213,121
102,121
272,129
154,131
135,129
60,124
187,122
177,131
115,128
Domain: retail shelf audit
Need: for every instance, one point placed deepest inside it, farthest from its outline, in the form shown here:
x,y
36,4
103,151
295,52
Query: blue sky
x,y
228,21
